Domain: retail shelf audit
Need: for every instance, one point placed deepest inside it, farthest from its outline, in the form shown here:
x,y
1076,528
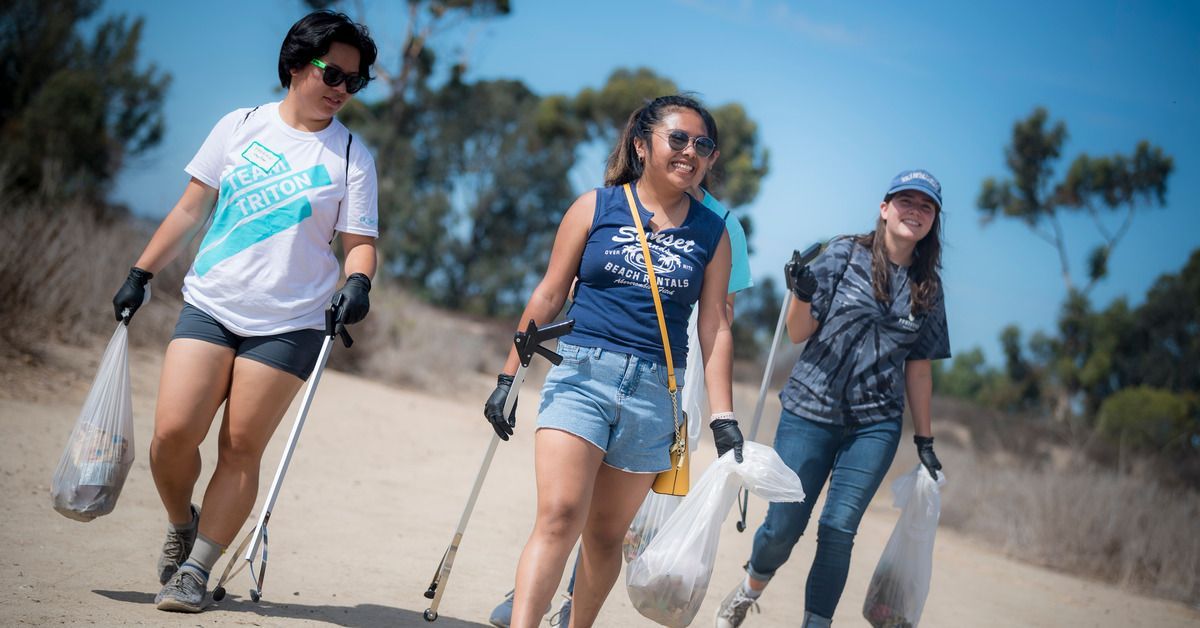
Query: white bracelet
x,y
720,415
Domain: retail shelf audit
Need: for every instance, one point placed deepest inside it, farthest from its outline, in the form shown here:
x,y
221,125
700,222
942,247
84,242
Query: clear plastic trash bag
x,y
99,453
896,595
667,582
694,395
648,521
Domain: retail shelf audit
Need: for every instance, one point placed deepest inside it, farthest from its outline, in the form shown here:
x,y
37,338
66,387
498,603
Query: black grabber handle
x,y
530,341
809,254
333,328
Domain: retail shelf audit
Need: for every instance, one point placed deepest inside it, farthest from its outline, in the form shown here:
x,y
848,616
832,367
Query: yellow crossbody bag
x,y
676,480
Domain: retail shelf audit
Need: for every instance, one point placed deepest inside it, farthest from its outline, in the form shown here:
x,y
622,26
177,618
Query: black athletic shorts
x,y
293,352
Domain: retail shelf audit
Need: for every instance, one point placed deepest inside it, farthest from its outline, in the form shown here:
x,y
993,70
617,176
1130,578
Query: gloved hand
x,y
925,453
355,303
800,281
493,408
132,293
726,435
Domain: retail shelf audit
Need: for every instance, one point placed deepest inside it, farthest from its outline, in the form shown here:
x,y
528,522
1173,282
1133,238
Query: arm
x,y
545,303
179,227
800,322
360,254
169,240
551,293
918,387
716,340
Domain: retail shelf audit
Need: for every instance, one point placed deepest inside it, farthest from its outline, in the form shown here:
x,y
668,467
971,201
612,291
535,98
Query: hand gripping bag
x,y
896,595
667,582
99,453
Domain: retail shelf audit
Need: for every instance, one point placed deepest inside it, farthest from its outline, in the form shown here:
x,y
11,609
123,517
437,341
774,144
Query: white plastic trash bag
x,y
667,582
99,453
648,521
694,395
896,595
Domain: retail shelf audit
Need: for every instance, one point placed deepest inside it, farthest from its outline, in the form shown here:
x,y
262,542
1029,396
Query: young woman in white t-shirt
x,y
279,181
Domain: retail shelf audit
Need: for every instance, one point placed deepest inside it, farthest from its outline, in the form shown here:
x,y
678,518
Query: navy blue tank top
x,y
613,307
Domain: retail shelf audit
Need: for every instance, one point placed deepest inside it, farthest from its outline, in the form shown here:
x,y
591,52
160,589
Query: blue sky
x,y
845,94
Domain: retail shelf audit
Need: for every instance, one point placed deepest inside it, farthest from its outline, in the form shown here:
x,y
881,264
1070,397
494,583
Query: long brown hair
x,y
623,163
924,274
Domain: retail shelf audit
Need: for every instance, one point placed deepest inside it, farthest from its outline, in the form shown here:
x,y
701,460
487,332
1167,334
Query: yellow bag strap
x,y
662,323
680,445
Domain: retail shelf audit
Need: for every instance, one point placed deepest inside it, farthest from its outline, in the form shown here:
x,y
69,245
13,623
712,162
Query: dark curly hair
x,y
311,37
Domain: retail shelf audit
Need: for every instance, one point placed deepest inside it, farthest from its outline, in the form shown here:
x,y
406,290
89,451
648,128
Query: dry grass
x,y
1036,494
59,269
407,342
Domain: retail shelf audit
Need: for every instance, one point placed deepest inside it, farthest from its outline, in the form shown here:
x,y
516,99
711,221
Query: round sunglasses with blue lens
x,y
678,140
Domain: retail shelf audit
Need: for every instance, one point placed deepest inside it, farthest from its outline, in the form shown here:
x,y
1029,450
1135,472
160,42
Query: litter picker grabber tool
x,y
528,342
258,536
803,259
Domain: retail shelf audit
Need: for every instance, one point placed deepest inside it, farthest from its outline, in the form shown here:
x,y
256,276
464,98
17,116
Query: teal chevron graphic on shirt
x,y
237,208
251,232
248,175
277,189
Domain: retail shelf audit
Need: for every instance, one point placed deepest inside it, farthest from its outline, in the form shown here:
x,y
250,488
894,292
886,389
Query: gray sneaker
x,y
176,548
186,592
563,617
502,614
733,610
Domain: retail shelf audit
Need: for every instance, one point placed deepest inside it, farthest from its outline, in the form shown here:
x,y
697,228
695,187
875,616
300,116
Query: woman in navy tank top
x,y
605,422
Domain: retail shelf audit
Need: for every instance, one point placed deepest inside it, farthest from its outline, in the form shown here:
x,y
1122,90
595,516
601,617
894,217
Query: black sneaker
x,y
177,547
186,592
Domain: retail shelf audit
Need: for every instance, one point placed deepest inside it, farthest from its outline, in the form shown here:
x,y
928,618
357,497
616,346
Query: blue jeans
x,y
854,459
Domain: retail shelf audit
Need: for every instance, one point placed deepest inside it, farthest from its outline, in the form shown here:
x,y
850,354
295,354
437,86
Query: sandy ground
x,y
370,502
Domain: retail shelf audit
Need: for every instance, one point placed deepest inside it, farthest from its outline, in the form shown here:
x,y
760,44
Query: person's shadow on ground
x,y
359,616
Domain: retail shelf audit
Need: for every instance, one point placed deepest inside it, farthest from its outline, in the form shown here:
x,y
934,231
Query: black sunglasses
x,y
678,140
333,77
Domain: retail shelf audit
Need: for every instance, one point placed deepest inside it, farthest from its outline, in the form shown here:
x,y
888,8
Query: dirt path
x,y
371,499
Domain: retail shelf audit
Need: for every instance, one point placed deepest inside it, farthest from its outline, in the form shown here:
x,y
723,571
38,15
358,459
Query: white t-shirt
x,y
266,266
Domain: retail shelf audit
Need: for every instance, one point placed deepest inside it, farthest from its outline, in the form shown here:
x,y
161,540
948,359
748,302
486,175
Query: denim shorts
x,y
292,352
615,401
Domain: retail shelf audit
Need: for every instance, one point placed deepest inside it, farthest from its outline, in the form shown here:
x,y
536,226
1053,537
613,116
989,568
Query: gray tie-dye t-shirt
x,y
852,370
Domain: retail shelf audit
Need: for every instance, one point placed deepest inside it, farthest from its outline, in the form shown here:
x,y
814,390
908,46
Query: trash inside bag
x,y
668,580
900,585
646,524
99,452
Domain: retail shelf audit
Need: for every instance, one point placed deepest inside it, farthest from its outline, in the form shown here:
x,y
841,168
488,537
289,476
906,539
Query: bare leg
x,y
565,466
616,499
194,382
258,398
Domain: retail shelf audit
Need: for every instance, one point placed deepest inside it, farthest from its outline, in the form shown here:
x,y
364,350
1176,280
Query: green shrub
x,y
1148,418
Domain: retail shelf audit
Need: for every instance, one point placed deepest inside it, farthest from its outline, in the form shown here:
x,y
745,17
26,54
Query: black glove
x,y
355,301
800,281
493,408
925,453
726,436
131,293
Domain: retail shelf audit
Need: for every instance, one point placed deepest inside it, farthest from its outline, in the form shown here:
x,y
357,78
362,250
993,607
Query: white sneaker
x,y
733,610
